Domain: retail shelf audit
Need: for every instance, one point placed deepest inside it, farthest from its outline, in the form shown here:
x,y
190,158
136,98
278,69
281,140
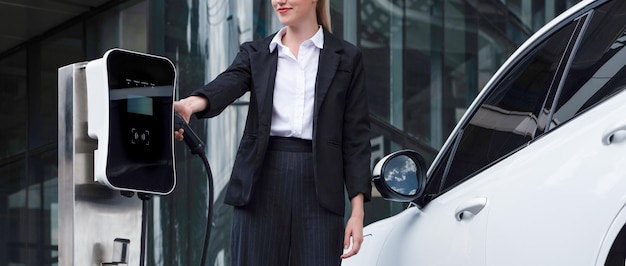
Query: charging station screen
x,y
140,122
140,104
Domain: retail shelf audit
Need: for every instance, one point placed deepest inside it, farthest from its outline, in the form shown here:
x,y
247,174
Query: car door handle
x,y
473,207
614,135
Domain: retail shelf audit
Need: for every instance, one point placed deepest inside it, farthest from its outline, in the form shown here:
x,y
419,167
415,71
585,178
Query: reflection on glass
x,y
13,105
510,115
401,175
598,69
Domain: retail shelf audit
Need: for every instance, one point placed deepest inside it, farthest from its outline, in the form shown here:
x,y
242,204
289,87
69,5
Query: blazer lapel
x,y
327,67
264,71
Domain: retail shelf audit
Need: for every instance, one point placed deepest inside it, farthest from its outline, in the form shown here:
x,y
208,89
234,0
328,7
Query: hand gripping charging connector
x,y
196,146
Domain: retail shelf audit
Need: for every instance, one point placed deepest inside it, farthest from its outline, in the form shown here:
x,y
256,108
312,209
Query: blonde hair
x,y
323,14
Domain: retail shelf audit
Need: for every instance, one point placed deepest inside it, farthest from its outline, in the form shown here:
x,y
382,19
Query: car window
x,y
598,68
509,116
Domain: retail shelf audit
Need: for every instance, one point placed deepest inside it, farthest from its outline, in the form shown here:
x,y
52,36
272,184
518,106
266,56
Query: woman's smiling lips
x,y
283,10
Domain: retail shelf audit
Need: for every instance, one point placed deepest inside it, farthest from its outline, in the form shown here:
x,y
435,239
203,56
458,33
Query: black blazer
x,y
341,127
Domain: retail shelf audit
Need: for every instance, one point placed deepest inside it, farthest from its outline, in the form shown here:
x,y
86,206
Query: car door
x,y
434,235
451,227
563,192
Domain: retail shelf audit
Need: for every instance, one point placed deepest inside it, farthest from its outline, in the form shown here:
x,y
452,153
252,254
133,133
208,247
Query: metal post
x,y
91,216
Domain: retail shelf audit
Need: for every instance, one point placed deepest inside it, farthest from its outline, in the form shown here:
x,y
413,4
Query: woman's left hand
x,y
354,228
354,233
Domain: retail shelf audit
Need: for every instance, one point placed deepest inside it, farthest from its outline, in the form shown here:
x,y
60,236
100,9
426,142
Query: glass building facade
x,y
425,61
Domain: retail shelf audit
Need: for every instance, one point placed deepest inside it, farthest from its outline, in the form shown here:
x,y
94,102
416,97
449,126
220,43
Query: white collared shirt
x,y
294,88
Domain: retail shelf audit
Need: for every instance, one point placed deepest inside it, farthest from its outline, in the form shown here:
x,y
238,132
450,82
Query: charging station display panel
x,y
140,150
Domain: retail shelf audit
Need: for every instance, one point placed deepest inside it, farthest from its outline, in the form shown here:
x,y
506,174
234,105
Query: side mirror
x,y
400,176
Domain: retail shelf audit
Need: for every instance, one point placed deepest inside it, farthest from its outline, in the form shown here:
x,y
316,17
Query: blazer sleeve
x,y
229,85
356,138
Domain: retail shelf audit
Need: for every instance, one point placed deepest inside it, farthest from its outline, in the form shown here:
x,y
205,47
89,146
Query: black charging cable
x,y
196,146
144,197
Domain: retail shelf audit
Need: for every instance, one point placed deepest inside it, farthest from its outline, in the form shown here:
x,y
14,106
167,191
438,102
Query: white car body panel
x,y
375,235
533,223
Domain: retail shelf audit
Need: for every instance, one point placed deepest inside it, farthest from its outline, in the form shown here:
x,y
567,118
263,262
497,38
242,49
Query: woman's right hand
x,y
179,108
185,108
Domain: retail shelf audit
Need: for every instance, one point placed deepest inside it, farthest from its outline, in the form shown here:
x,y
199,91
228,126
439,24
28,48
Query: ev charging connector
x,y
130,99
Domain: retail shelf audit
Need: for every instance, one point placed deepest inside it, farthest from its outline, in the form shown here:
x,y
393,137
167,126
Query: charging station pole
x,y
97,226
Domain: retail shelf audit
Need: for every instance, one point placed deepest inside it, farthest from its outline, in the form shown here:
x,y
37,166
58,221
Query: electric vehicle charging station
x,y
130,113
115,137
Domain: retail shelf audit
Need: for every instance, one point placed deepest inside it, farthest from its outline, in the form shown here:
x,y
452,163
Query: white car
x,y
535,171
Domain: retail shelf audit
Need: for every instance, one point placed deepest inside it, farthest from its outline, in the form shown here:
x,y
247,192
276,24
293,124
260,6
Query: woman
x,y
306,139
